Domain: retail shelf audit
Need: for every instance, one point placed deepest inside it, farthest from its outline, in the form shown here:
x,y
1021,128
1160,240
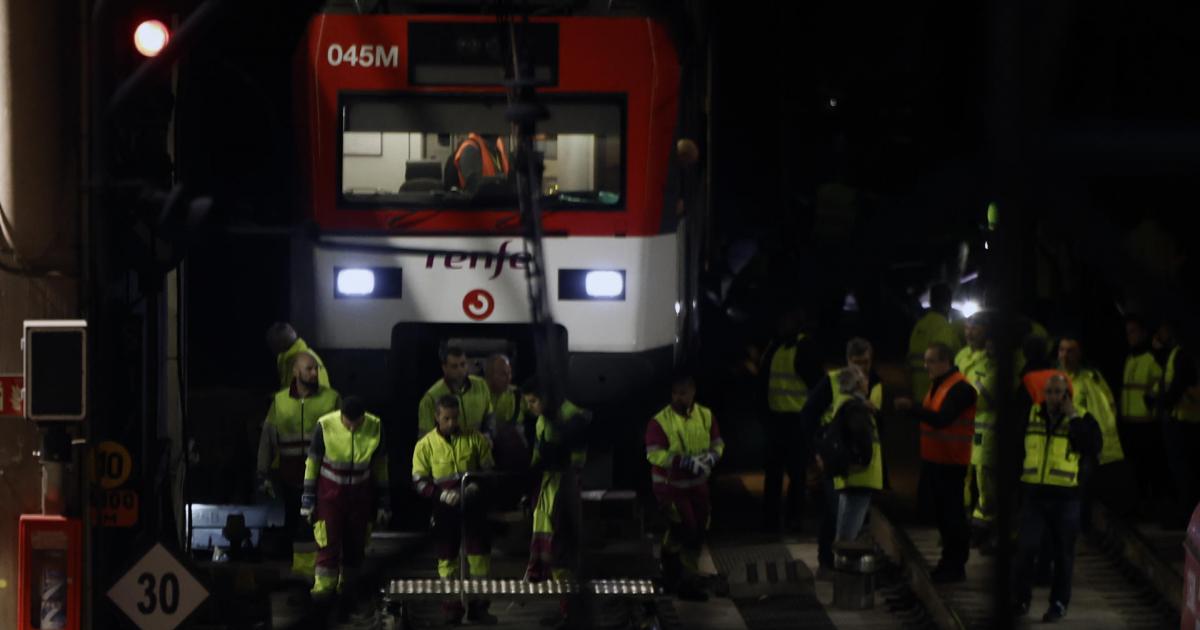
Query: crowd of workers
x,y
476,435
325,455
1078,438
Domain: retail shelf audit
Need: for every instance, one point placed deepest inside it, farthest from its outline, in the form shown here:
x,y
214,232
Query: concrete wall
x,y
40,192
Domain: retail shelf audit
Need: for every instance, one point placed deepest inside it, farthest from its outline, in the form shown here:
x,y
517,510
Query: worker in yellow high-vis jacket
x,y
442,462
345,485
283,447
683,443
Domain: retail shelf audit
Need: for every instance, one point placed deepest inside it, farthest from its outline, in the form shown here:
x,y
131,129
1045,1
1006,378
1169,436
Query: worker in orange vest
x,y
478,157
947,416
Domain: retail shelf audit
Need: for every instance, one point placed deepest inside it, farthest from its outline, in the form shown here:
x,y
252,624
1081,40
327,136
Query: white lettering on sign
x,y
363,55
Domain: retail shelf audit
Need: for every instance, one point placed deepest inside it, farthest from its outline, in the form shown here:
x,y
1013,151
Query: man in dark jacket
x,y
818,411
792,368
1058,438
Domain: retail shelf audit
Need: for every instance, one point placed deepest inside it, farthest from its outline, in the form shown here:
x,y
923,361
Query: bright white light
x,y
678,308
985,245
603,284
833,102
967,307
356,282
151,37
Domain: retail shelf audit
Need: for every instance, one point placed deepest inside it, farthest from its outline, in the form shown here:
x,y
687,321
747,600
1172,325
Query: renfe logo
x,y
471,260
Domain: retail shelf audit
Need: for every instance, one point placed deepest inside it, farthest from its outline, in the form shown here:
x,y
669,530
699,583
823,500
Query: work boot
x,y
477,612
1056,612
452,612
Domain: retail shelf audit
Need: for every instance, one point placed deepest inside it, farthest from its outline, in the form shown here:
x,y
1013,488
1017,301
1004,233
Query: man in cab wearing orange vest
x,y
1058,439
478,157
947,416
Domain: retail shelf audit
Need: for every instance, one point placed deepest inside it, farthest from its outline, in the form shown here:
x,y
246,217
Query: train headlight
x,y
591,284
604,284
368,282
355,282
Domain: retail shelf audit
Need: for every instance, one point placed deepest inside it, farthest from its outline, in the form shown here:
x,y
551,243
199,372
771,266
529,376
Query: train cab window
x,y
456,152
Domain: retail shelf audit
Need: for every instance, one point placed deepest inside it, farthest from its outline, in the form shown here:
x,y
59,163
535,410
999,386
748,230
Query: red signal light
x,y
150,37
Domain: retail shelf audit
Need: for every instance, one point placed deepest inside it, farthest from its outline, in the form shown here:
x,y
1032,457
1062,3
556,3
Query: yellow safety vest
x,y
474,404
295,418
508,406
871,475
350,456
1188,407
839,398
544,432
1093,394
444,461
1141,373
685,436
786,391
1049,460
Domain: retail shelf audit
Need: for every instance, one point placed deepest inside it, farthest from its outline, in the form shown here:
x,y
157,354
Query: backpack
x,y
839,447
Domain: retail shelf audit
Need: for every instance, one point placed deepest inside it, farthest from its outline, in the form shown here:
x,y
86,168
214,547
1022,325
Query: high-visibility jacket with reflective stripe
x,y
951,444
670,436
284,363
871,475
1092,393
345,457
1049,459
439,463
544,432
289,428
933,327
968,359
1188,407
875,397
786,390
1141,373
981,374
474,404
491,163
508,406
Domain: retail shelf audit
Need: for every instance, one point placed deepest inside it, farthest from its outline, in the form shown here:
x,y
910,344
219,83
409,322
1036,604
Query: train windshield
x,y
431,151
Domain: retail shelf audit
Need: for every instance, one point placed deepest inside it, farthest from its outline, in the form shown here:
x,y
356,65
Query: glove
x,y
470,490
700,466
450,497
710,460
383,516
308,502
266,488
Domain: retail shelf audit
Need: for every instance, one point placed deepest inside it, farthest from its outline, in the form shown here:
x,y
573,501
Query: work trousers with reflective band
x,y
344,514
981,493
688,512
553,537
304,546
1057,513
448,525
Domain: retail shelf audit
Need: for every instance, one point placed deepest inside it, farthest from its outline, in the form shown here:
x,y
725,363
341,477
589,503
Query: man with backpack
x,y
818,412
857,467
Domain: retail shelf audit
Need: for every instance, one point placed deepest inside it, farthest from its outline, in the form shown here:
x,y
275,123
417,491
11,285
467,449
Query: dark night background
x,y
853,150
